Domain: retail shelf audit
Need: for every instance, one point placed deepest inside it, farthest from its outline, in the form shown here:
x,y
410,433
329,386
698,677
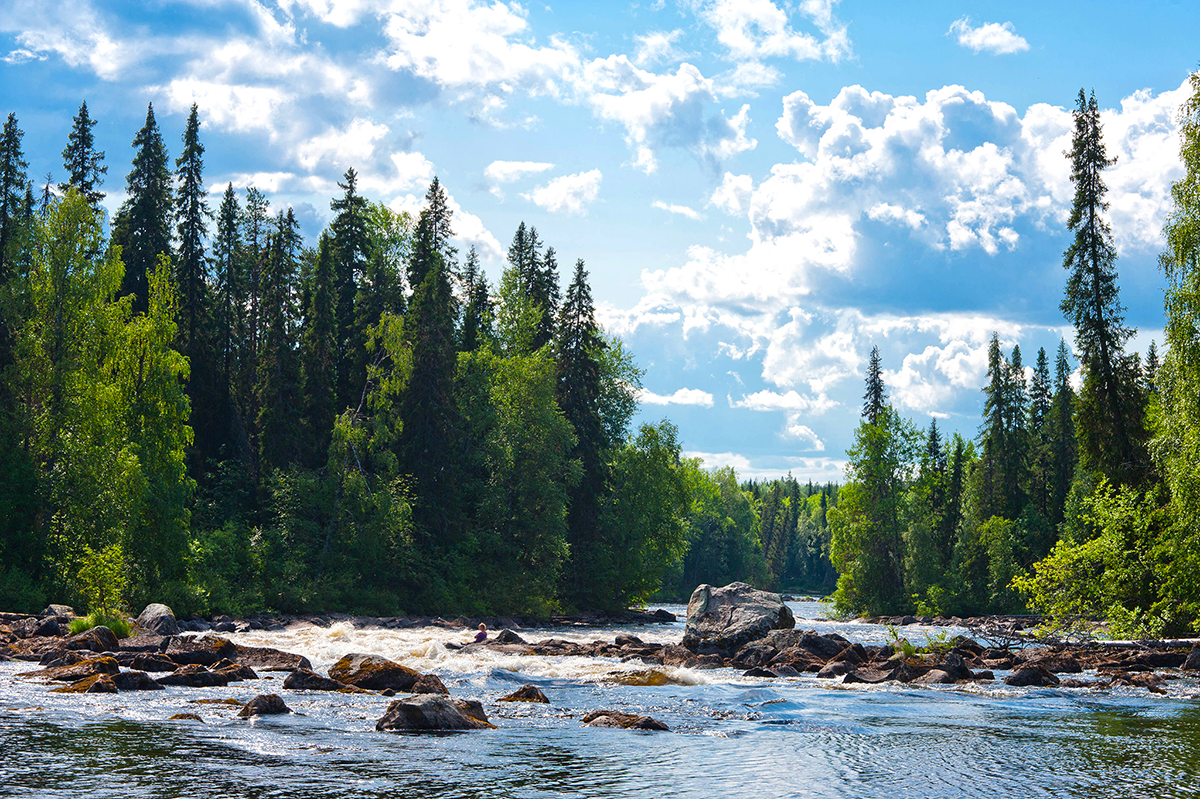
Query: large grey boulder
x,y
432,712
158,619
722,620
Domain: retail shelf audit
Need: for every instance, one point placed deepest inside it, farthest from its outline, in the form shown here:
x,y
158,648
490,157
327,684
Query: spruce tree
x,y
875,400
143,224
318,353
351,249
191,267
14,184
1150,370
1040,452
477,312
1063,440
437,238
1111,427
545,292
278,406
82,161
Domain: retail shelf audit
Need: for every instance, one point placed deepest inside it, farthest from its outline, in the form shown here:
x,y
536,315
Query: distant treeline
x,y
198,408
1081,505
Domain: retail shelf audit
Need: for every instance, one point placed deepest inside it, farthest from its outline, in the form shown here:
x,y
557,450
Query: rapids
x,y
731,736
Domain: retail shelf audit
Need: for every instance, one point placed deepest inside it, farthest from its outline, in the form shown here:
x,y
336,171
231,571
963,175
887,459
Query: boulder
x,y
429,712
1057,662
158,619
264,658
429,684
135,681
526,693
1031,675
184,717
676,655
627,640
204,650
835,669
757,672
76,671
854,654
194,676
97,639
784,670
144,642
374,672
309,680
723,620
264,705
867,676
152,662
628,721
59,610
236,672
96,684
50,627
954,666
1193,659
934,677
756,653
508,637
68,657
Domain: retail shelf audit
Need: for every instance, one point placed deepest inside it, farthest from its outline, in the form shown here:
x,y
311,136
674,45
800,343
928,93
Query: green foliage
x,y
120,627
102,579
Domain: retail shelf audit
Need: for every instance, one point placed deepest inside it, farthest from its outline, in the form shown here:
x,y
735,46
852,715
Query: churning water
x,y
731,736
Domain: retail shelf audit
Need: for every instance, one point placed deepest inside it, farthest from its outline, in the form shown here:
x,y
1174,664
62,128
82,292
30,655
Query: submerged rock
x,y
723,620
1031,675
628,721
195,676
264,705
526,693
432,712
76,671
309,680
185,717
374,672
96,684
158,619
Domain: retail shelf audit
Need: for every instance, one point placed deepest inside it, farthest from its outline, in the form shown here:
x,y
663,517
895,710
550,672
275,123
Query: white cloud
x,y
756,29
341,148
679,210
733,195
567,194
991,37
793,429
75,32
683,396
788,401
657,47
469,229
819,470
501,172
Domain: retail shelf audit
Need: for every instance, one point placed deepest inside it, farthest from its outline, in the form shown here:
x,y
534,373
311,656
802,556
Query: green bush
x,y
120,627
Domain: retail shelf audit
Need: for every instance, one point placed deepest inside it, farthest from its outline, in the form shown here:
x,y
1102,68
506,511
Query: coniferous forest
x,y
199,407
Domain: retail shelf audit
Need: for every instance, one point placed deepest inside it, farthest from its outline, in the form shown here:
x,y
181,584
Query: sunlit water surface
x,y
731,736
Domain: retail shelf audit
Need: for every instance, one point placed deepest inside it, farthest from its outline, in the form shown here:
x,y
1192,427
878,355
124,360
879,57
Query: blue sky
x,y
762,190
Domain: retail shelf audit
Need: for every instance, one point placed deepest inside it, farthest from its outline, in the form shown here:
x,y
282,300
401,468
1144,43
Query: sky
x,y
761,191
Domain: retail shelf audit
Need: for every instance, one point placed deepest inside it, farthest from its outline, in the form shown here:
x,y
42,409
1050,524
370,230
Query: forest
x,y
197,407
1082,505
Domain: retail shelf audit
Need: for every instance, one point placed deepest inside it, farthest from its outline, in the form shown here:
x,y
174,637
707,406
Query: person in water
x,y
481,636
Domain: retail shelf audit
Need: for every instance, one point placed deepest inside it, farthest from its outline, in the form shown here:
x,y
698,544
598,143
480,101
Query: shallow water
x,y
731,736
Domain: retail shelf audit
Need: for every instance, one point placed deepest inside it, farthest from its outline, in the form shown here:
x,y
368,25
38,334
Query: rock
x,y
472,708
854,654
264,658
152,662
723,620
909,672
642,678
823,646
934,677
67,657
508,637
757,672
144,642
97,639
135,681
663,615
158,619
96,684
1031,675
867,676
429,684
429,712
784,670
526,693
1193,659
204,650
374,672
59,610
264,705
627,640
756,653
236,672
1057,662
1162,659
615,718
308,680
185,717
76,671
49,628
983,676
954,666
835,669
676,655
194,676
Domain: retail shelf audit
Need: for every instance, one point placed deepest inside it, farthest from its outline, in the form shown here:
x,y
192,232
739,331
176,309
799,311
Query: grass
x,y
119,626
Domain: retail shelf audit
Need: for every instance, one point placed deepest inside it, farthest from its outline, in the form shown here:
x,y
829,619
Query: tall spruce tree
x,y
1112,431
278,370
875,400
191,265
82,161
14,183
143,224
318,354
351,244
1064,453
477,312
439,234
545,292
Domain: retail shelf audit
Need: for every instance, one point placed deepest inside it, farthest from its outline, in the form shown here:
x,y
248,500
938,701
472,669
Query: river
x,y
731,736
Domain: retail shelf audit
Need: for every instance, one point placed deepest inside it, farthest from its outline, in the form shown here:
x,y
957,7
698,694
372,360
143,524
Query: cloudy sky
x,y
762,190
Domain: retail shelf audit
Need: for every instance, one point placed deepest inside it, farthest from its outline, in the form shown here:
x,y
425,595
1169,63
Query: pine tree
x,y
875,400
83,163
229,286
577,347
1040,452
143,224
1002,436
1111,425
14,183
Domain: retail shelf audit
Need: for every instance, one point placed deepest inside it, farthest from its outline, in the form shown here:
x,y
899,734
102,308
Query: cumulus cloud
x,y
469,229
793,429
678,210
657,47
820,469
991,37
787,401
733,195
683,396
568,194
756,29
501,172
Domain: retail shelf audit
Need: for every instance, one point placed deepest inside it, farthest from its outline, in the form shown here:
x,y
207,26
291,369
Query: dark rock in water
x,y
757,672
66,657
954,666
151,662
723,620
185,717
97,639
823,646
135,681
526,693
308,680
909,672
508,637
627,640
194,676
756,653
204,650
144,642
663,615
1162,659
934,676
374,672
96,684
835,669
1193,659
983,676
429,684
158,619
1057,662
431,712
628,721
1031,675
264,705
784,670
48,628
236,672
867,676
675,655
854,654
264,658
76,671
